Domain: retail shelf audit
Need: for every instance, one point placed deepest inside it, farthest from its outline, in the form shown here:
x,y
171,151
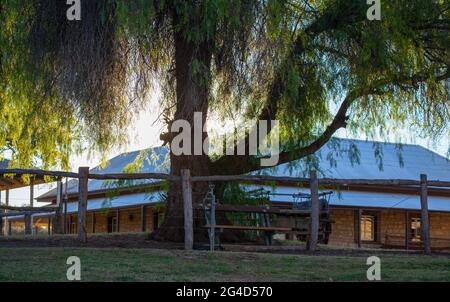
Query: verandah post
x,y
314,227
143,218
186,186
83,173
28,222
424,221
94,221
406,230
358,226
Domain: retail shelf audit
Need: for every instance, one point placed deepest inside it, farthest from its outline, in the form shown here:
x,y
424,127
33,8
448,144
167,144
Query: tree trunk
x,y
192,92
192,96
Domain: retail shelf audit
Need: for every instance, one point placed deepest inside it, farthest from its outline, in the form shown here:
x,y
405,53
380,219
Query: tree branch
x,y
232,165
330,20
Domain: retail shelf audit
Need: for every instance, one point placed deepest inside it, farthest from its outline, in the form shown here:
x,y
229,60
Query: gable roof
x,y
395,162
335,161
153,163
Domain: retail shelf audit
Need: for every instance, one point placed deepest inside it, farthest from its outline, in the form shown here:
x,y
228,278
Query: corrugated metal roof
x,y
114,202
335,161
155,163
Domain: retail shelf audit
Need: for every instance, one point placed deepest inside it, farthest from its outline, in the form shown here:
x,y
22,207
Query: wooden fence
x,y
187,180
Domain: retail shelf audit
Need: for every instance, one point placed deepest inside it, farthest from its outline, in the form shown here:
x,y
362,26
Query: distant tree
x,y
316,66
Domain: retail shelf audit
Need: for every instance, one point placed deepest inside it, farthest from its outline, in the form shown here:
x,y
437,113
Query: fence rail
x,y
187,180
213,178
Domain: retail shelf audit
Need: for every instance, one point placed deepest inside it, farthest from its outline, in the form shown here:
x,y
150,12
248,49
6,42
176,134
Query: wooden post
x,y
212,220
2,232
424,222
358,227
28,218
28,223
406,230
143,218
31,193
117,220
186,186
65,206
6,220
57,223
49,225
94,221
83,173
314,227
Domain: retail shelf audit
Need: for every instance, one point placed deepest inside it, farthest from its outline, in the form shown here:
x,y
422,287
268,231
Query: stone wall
x,y
391,228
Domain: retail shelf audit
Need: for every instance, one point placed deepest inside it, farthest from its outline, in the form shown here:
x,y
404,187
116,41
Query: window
x,y
415,229
112,224
368,228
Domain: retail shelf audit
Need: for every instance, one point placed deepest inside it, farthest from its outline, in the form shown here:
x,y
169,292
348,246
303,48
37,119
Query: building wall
x,y
129,220
342,228
440,229
391,228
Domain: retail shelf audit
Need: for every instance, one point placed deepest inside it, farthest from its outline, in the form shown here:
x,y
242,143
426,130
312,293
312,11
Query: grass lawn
x,y
120,264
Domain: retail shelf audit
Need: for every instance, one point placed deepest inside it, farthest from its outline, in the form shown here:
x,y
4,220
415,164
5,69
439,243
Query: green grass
x,y
49,264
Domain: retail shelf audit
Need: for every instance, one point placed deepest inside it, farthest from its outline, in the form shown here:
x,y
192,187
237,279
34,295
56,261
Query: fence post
x,y
28,218
82,202
65,199
31,193
424,222
186,186
314,227
6,220
57,223
1,218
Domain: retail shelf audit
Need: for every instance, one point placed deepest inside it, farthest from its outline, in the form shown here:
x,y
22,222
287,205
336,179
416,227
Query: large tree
x,y
316,66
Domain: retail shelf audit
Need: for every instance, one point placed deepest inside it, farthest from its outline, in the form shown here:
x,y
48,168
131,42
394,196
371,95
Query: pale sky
x,y
145,132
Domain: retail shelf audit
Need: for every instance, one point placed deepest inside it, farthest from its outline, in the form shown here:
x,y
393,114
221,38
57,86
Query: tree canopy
x,y
316,66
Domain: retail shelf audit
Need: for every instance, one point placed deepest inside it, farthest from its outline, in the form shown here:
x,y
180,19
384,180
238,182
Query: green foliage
x,y
69,85
235,193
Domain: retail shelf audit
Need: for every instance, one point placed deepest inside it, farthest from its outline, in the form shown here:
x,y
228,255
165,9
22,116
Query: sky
x,y
144,133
